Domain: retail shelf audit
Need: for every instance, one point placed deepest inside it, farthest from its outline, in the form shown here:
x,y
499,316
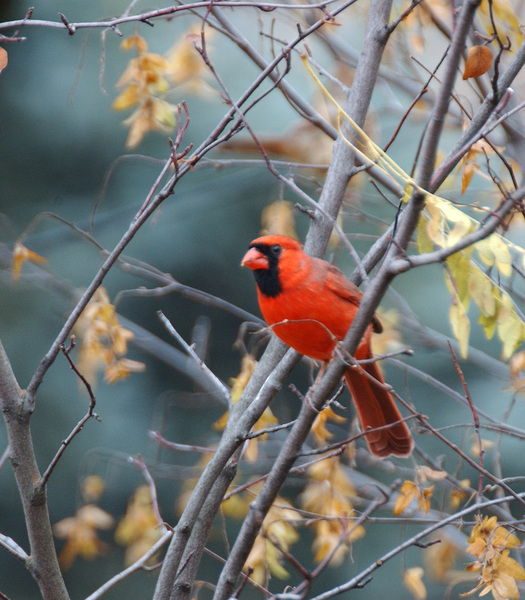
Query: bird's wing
x,y
337,283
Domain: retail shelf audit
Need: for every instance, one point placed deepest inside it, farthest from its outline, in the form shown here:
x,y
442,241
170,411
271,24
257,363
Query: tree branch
x,y
17,409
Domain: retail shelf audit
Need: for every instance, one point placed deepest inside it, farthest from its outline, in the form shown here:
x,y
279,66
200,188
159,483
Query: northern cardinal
x,y
319,304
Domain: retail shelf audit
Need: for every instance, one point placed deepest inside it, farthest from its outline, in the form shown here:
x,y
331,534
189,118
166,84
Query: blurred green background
x,y
63,151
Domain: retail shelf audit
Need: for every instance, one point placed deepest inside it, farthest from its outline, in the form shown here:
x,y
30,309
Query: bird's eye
x,y
276,249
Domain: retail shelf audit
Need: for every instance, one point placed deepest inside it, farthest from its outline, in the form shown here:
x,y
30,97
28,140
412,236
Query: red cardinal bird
x,y
319,304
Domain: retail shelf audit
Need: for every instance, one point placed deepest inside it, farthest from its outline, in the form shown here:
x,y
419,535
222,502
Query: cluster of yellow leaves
x,y
444,225
80,531
139,529
104,341
415,490
409,491
328,495
149,77
81,534
21,254
267,419
491,543
276,536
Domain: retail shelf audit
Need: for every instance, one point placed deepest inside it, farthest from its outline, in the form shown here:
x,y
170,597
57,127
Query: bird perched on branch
x,y
310,305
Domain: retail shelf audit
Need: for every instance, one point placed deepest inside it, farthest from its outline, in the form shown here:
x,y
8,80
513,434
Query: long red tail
x,y
375,408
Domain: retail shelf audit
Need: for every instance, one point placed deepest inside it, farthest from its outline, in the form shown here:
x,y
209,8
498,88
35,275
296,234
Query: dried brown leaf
x,y
478,61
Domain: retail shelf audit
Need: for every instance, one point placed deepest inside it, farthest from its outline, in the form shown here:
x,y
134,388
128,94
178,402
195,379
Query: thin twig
x,y
136,566
13,548
189,349
138,461
475,416
5,456
78,427
162,441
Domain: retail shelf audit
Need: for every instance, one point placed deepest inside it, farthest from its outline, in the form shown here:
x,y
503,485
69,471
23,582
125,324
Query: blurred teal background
x,y
60,140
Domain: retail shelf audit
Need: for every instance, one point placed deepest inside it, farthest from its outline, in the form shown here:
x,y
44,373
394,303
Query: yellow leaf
x,y
238,383
424,243
481,291
458,495
277,527
220,424
489,324
134,41
501,254
512,567
413,581
462,226
406,494
478,547
435,227
92,488
138,529
439,560
319,429
478,61
163,114
460,326
512,333
185,63
459,269
466,175
21,254
128,98
485,444
484,249
122,369
236,506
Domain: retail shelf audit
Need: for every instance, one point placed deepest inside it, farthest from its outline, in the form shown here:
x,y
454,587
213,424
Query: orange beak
x,y
255,260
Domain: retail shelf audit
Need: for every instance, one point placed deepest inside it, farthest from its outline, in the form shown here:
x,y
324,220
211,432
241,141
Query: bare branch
x,y
136,566
13,548
79,426
189,349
